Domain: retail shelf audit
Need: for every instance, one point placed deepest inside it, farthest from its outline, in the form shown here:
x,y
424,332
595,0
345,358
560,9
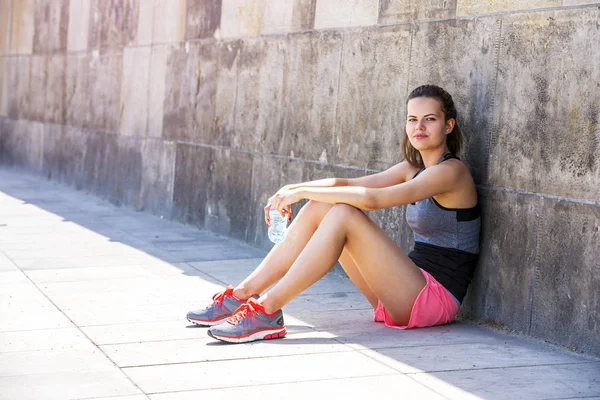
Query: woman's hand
x,y
282,201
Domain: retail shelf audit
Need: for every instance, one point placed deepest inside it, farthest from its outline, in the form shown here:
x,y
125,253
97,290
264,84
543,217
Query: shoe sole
x,y
206,323
263,335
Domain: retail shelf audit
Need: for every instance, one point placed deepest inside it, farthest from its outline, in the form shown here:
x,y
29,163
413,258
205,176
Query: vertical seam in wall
x,y
491,138
337,95
409,66
536,270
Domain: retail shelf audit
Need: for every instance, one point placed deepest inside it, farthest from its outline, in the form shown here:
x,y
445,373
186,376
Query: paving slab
x,y
93,300
288,369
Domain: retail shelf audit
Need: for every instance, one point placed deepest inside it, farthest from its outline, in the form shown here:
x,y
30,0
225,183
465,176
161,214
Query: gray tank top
x,y
454,228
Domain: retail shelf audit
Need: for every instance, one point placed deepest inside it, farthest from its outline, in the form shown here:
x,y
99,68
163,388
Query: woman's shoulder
x,y
408,170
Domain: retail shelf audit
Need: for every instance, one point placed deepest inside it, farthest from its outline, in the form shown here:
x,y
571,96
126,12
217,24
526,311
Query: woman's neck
x,y
432,157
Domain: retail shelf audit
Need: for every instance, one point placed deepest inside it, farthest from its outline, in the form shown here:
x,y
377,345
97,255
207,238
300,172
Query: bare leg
x,y
387,271
279,260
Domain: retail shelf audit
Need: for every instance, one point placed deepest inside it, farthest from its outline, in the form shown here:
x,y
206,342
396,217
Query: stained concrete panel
x,y
169,21
227,193
547,132
474,7
203,18
23,83
64,148
36,96
134,90
370,109
79,20
228,56
105,89
345,13
125,172
22,143
278,17
394,11
4,83
566,300
22,27
242,18
100,150
310,93
145,23
502,288
303,16
11,75
51,25
577,2
113,23
192,176
259,101
190,89
5,26
467,74
77,92
56,85
158,177
156,89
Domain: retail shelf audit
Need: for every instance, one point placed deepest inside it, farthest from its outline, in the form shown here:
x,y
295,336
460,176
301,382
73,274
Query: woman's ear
x,y
450,125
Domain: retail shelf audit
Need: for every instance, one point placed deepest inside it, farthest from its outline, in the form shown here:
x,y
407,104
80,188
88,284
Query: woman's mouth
x,y
420,136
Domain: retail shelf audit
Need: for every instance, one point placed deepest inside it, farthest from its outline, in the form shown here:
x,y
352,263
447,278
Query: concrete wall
x,y
199,110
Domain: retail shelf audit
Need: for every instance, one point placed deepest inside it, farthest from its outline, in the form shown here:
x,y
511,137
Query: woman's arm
x,y
434,180
391,176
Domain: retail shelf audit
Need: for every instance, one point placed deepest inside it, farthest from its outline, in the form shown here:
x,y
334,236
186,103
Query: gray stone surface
x,y
78,29
393,11
310,92
505,294
51,25
11,99
190,183
158,177
112,23
35,102
566,295
303,16
468,75
373,82
190,88
22,26
259,102
77,90
169,21
55,111
202,18
109,306
135,91
341,14
64,149
104,90
228,58
549,145
474,7
5,26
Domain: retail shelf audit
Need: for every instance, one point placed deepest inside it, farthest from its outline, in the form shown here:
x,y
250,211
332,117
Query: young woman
x,y
423,288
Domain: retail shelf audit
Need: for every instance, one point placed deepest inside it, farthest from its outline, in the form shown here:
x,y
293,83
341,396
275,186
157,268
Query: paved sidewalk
x,y
93,300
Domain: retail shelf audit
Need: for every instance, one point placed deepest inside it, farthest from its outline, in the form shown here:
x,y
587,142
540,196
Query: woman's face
x,y
425,124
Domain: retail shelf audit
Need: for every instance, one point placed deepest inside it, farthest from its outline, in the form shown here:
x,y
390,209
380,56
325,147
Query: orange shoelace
x,y
251,307
218,298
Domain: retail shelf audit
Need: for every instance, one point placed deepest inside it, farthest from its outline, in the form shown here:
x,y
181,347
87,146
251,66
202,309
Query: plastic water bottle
x,y
278,226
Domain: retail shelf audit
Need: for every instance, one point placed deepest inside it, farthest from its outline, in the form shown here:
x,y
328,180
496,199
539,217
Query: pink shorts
x,y
433,306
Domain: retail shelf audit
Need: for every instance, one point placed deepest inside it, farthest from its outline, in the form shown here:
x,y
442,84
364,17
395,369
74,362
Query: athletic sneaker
x,y
223,306
250,322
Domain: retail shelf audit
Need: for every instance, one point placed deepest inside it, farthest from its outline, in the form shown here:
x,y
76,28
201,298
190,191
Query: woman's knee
x,y
317,208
